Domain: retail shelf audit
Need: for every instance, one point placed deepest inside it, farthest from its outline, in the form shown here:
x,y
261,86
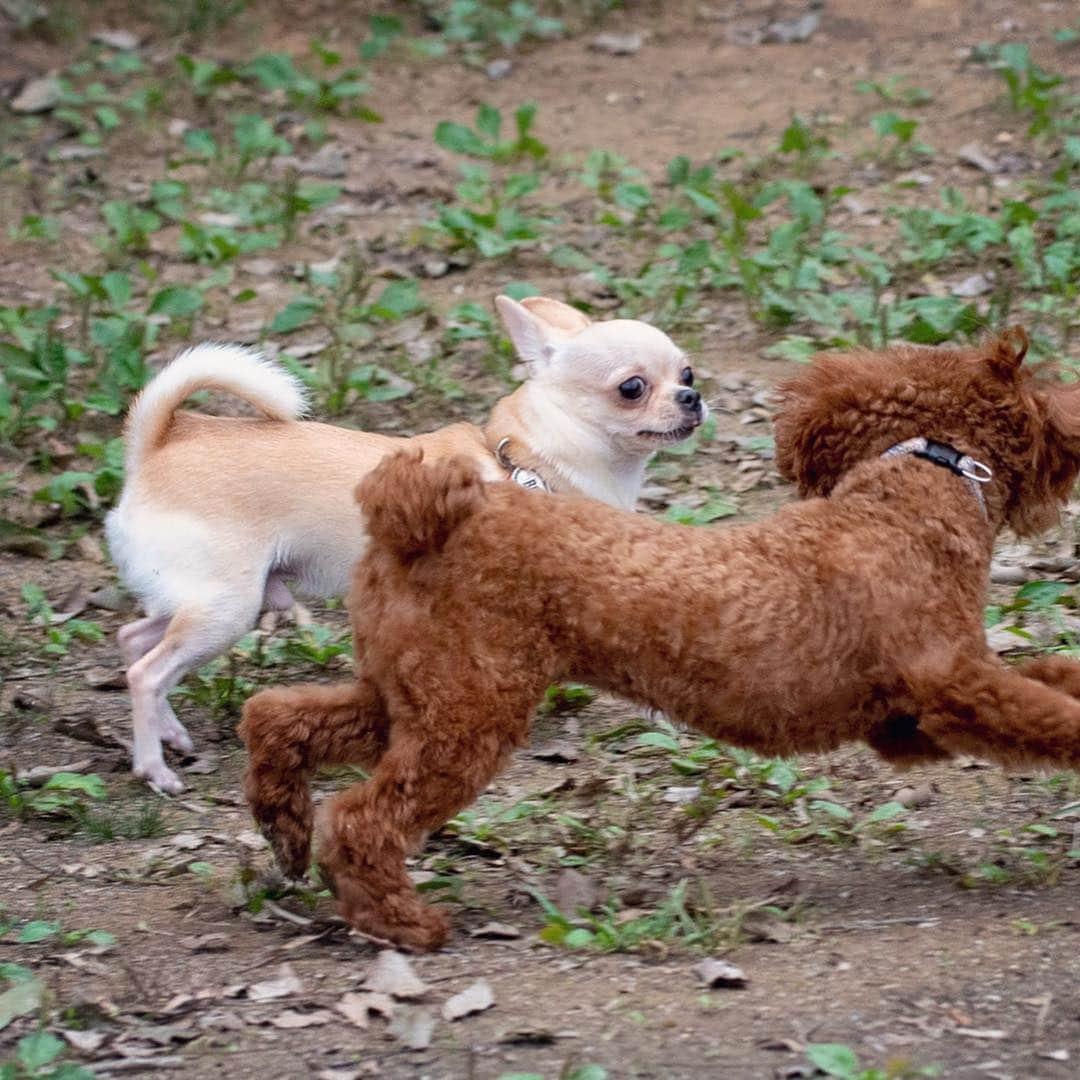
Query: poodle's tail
x,y
231,369
413,508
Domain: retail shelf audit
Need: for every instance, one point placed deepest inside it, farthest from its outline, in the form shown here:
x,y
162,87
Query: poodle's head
x,y
847,407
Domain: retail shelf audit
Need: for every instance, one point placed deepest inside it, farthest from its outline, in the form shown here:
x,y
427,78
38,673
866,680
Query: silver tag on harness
x,y
527,479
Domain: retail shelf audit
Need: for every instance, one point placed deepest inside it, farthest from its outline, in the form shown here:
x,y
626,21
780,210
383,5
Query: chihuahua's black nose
x,y
688,398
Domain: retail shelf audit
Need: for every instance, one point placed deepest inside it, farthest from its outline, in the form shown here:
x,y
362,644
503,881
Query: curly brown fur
x,y
855,615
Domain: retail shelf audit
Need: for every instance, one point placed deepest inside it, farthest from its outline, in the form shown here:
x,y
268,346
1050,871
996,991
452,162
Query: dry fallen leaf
x,y
285,984
497,931
291,1019
393,974
84,1041
719,973
616,44
574,891
414,1027
472,999
356,1007
760,925
207,943
187,841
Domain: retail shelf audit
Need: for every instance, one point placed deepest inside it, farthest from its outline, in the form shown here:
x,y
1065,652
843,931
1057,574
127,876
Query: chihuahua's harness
x,y
526,478
948,457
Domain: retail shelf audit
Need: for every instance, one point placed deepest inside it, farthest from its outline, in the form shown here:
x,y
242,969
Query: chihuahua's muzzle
x,y
690,401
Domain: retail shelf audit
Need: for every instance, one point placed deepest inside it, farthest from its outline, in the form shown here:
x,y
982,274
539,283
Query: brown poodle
x,y
855,615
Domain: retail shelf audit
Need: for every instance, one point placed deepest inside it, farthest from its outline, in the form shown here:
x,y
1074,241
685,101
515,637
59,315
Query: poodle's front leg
x,y
430,772
980,707
289,733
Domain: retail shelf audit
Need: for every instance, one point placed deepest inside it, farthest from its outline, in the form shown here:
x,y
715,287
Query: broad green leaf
x,y
294,315
176,301
36,1050
834,1059
36,931
886,811
22,998
579,938
1042,593
459,139
658,739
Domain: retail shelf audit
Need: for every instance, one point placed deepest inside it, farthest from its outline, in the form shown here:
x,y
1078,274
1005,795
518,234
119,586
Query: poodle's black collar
x,y
948,457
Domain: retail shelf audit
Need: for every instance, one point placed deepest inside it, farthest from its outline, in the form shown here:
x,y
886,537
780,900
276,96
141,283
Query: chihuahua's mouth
x,y
672,435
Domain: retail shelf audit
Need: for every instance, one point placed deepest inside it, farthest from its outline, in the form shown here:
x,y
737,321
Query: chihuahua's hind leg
x,y
136,640
195,634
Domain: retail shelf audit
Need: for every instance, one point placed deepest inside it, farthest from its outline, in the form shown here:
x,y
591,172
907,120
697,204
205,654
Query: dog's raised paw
x,y
160,777
175,734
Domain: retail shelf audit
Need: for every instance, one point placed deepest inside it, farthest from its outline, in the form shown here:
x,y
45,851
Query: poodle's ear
x,y
1063,414
808,450
1007,352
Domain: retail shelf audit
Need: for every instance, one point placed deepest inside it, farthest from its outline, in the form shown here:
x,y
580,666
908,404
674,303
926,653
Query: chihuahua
x,y
218,514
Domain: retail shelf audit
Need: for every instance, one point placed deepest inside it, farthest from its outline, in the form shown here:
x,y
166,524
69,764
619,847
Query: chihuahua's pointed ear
x,y
1007,352
556,314
537,324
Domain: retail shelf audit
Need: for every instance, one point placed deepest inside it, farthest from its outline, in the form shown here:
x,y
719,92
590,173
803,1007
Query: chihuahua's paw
x,y
175,734
160,777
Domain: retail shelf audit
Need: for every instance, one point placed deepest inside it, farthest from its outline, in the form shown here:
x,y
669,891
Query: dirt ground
x,y
942,937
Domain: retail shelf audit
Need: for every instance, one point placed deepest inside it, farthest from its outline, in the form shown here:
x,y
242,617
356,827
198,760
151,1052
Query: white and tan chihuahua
x,y
218,513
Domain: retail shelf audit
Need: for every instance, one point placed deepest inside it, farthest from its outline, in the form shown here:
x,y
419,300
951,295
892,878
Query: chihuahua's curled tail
x,y
413,508
230,369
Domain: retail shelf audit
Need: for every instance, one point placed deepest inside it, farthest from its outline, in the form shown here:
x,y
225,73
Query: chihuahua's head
x,y
623,380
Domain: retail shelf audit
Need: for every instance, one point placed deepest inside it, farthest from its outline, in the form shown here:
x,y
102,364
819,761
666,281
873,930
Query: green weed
x,y
60,631
839,1060
350,307
475,25
328,90
37,1056
895,90
62,796
678,920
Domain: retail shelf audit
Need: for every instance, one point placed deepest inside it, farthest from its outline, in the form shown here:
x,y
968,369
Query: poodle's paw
x,y
285,821
291,848
428,933
408,923
400,917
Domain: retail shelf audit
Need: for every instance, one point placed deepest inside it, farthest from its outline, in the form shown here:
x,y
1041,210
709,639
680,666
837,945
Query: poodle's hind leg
x,y
424,778
900,741
289,732
978,706
1060,672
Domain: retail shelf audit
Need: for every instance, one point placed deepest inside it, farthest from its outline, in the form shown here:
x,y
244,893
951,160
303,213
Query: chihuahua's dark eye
x,y
687,376
633,388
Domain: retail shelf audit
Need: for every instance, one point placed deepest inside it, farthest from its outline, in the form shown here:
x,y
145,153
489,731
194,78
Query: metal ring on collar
x,y
976,470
